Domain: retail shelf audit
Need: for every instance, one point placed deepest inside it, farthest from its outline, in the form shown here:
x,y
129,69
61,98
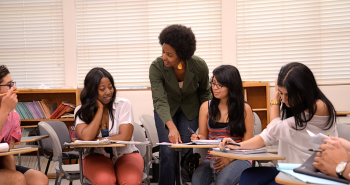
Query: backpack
x,y
189,163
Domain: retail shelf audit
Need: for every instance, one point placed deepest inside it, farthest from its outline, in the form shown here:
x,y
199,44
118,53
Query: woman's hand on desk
x,y
223,145
174,135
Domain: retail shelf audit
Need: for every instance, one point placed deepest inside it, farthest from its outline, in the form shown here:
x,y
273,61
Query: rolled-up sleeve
x,y
159,96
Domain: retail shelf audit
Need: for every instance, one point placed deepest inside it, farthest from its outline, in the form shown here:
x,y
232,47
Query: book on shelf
x,y
41,109
63,108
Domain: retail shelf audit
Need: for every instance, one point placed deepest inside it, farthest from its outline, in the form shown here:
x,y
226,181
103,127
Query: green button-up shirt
x,y
167,95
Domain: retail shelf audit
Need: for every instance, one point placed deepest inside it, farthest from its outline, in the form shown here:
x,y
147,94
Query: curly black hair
x,y
181,39
3,72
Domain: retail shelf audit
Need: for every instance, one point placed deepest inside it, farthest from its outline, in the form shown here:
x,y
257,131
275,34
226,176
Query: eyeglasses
x,y
219,86
10,84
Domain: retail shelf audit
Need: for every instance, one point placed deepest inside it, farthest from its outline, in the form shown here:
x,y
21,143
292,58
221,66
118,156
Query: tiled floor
x,y
76,182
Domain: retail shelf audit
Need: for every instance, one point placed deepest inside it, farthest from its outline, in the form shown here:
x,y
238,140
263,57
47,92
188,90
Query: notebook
x,y
307,168
253,151
287,168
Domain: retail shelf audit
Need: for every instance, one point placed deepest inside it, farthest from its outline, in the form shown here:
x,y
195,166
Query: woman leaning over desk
x,y
225,115
180,84
102,114
304,107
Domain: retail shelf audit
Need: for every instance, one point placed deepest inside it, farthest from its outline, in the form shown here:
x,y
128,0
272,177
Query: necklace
x,y
224,116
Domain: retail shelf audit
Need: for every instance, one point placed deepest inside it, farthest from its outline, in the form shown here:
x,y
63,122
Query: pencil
x,y
315,150
4,94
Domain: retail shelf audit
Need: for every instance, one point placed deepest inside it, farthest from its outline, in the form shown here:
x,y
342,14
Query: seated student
x,y
102,114
225,115
334,161
304,107
10,132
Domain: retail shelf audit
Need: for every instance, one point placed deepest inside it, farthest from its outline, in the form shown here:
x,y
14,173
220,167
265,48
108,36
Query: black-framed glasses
x,y
10,84
219,86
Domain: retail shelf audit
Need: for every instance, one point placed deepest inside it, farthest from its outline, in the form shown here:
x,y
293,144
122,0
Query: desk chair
x,y
257,124
344,130
63,136
71,171
152,135
139,135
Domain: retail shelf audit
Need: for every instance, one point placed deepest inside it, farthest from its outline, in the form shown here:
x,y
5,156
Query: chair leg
x,y
48,164
37,153
56,180
70,182
19,159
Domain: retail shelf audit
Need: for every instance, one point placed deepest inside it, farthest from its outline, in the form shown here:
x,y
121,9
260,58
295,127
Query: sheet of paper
x,y
317,138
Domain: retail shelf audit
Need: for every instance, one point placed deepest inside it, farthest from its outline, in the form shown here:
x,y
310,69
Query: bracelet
x,y
275,102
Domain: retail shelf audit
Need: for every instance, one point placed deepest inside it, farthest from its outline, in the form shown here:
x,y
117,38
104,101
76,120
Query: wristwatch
x,y
340,168
275,102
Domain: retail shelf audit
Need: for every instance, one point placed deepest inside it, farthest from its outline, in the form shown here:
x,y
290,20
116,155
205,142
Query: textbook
x,y
308,169
253,151
287,168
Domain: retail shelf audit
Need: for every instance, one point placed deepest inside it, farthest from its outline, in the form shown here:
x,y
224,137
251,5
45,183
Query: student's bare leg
x,y
11,177
35,177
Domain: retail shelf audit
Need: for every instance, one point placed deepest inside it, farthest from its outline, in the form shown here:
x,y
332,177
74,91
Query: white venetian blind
x,y
122,35
31,42
271,33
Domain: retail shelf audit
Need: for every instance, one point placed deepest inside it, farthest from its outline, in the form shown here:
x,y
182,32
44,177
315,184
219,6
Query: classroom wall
x,y
142,100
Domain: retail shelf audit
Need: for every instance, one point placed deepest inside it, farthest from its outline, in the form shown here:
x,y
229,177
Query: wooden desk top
x,y
260,156
343,113
32,138
19,151
97,146
193,146
283,178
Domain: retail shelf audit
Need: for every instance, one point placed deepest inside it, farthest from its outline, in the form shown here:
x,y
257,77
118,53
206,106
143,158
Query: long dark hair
x,y
89,95
303,93
229,77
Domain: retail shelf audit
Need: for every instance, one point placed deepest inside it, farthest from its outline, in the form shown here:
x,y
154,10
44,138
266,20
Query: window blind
x,y
122,36
272,33
31,42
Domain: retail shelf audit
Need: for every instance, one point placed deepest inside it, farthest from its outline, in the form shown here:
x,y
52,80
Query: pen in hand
x,y
232,143
189,128
315,150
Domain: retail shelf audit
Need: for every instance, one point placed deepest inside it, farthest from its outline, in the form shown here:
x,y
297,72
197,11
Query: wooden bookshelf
x,y
257,95
54,95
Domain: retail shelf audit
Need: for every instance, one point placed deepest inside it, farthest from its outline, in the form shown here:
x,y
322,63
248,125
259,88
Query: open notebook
x,y
253,151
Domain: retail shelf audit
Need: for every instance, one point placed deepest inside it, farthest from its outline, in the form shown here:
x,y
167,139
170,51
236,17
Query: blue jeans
x,y
166,154
259,176
228,175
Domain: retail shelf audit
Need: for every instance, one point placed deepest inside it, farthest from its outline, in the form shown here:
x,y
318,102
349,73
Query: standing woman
x,y
102,114
180,84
